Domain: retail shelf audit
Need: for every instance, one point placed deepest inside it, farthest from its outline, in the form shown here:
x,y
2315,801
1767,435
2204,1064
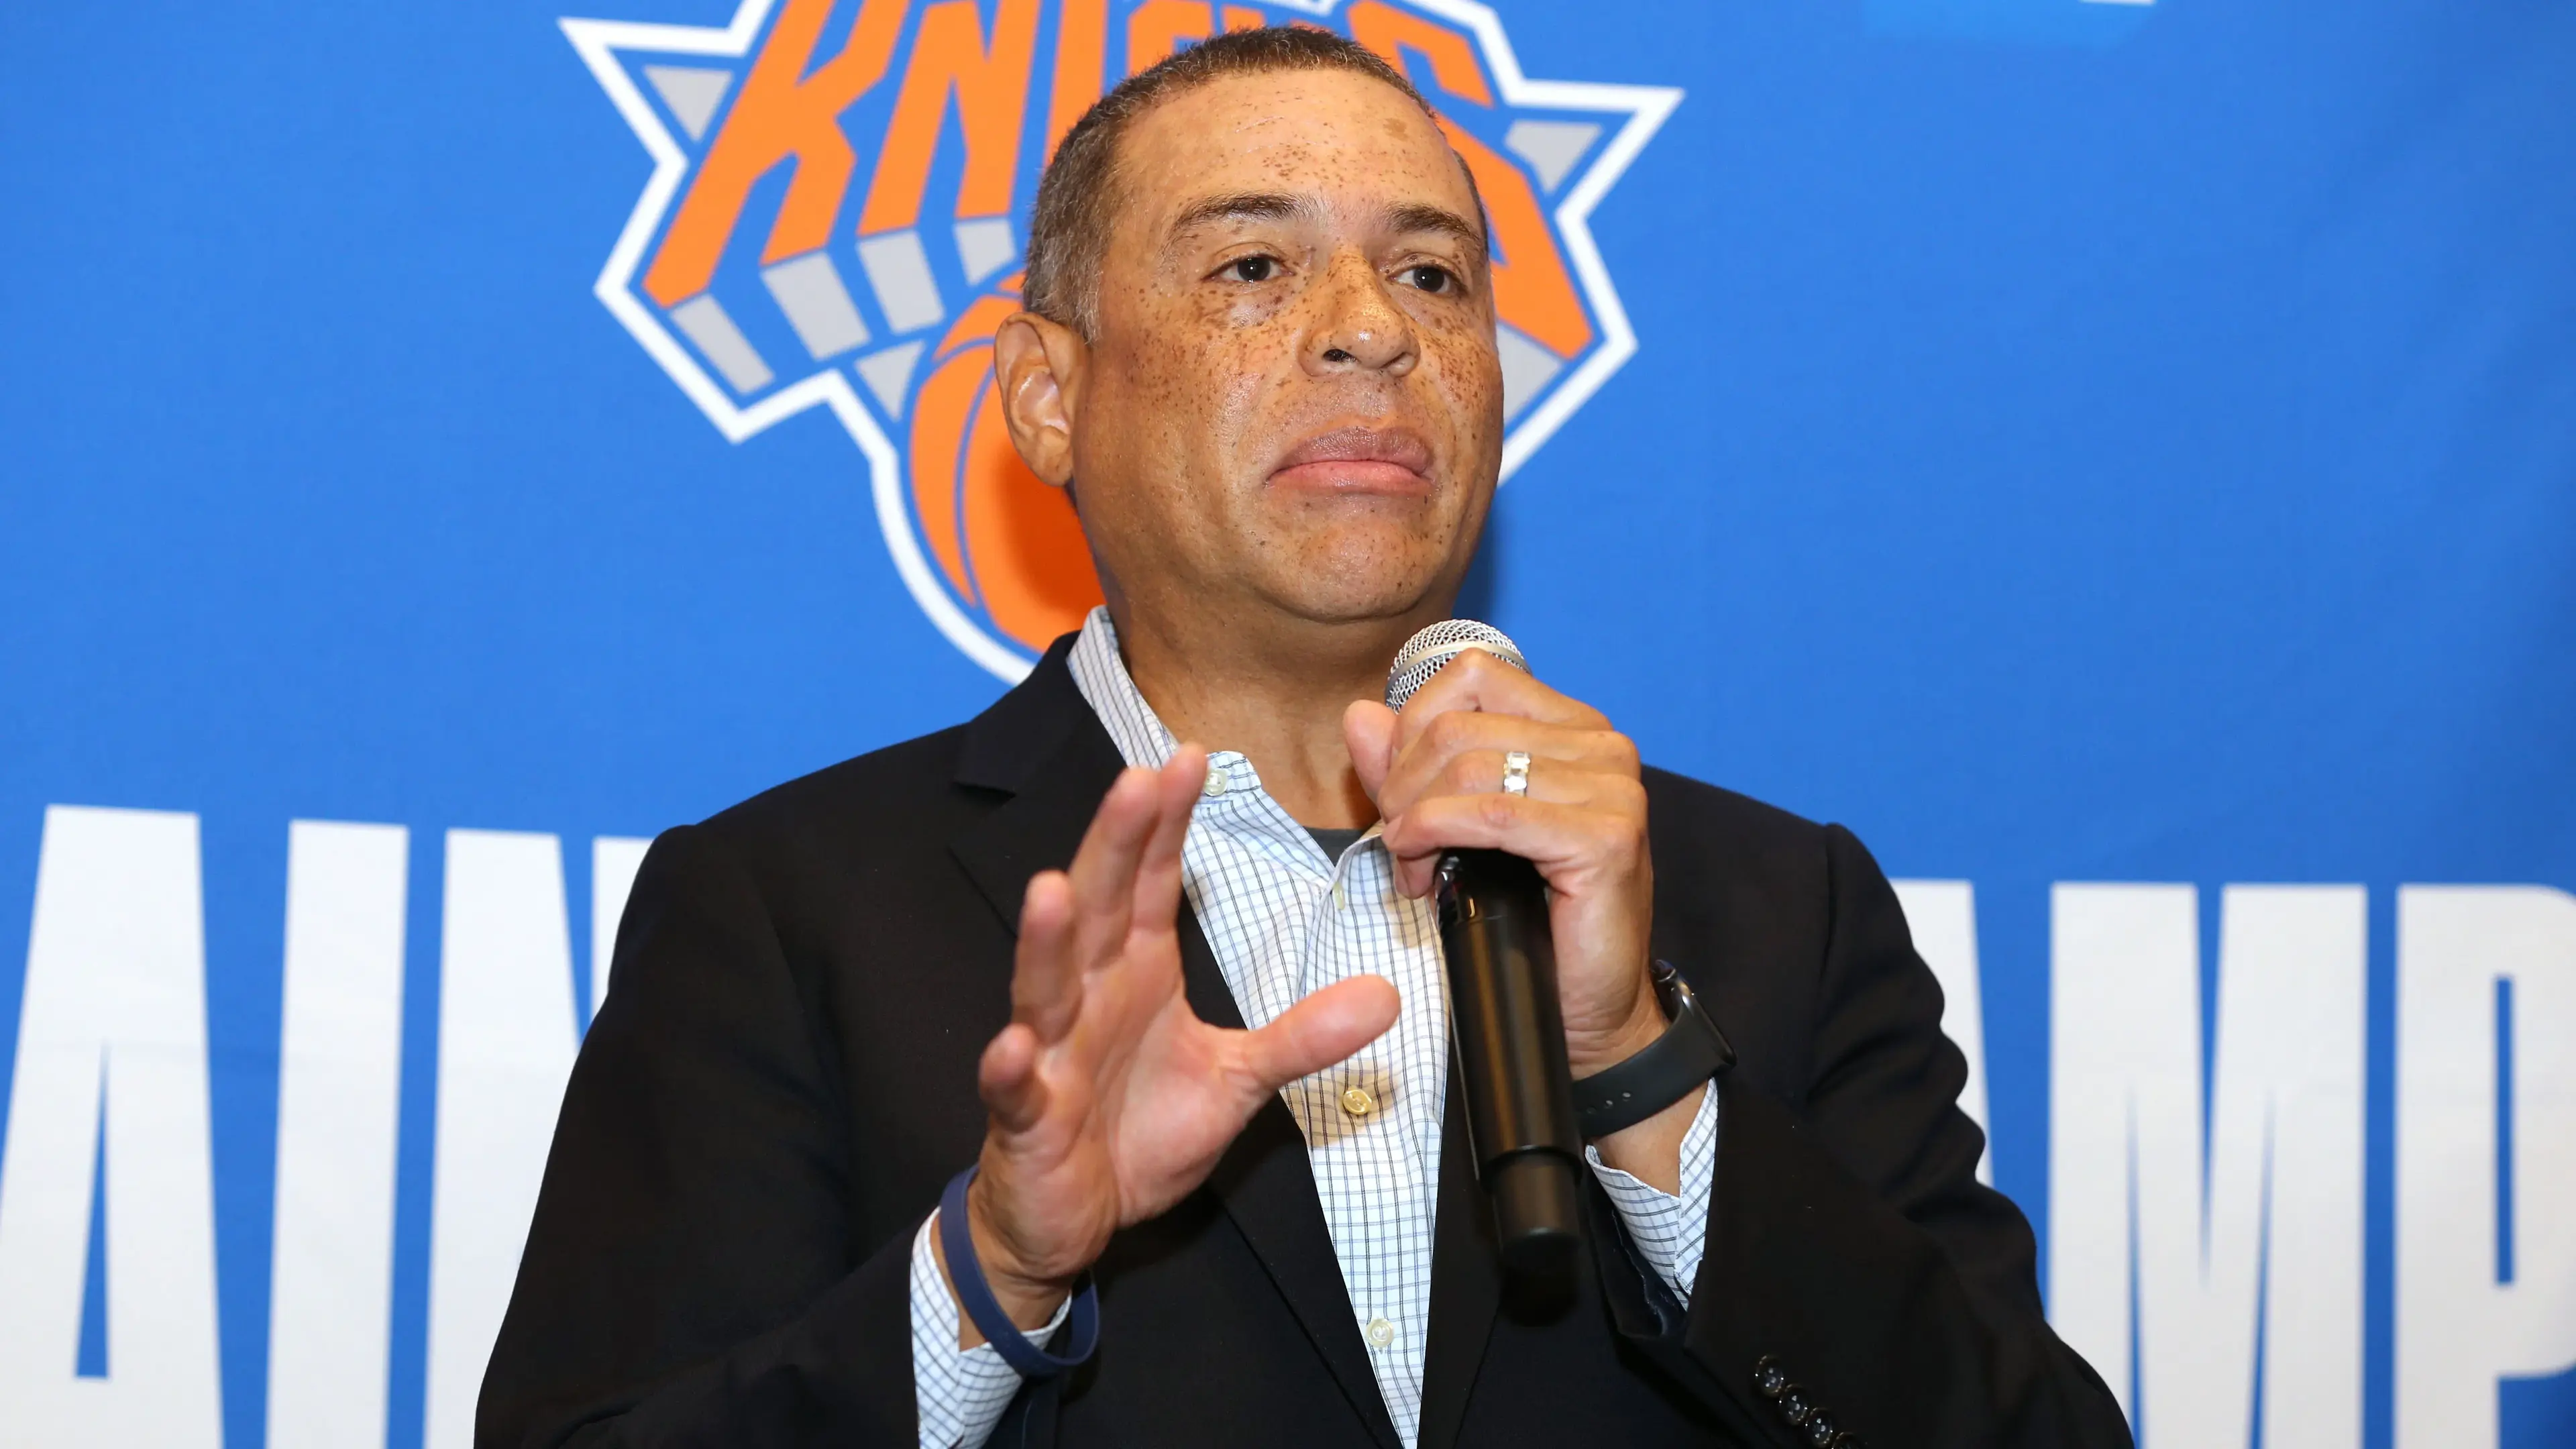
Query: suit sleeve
x,y
690,1276
1850,1244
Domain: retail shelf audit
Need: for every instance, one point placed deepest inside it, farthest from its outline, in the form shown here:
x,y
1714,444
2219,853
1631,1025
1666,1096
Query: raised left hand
x,y
1436,773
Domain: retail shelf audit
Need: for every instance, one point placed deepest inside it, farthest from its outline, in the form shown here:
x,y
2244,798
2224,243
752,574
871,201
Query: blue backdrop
x,y
2120,458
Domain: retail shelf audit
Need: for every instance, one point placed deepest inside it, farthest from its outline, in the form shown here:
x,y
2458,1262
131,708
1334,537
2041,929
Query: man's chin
x,y
1359,596
1358,569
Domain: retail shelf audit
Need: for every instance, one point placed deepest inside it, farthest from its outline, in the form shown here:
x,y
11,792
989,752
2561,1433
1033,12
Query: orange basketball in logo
x,y
1009,544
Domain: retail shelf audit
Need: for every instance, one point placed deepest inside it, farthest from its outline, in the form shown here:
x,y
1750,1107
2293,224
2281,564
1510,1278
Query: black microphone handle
x,y
1510,1037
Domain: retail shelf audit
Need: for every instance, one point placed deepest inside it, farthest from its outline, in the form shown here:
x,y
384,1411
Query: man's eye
x,y
1255,268
1430,278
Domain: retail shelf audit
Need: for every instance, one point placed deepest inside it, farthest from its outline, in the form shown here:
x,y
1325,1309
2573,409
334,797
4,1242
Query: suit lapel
x,y
1040,828
1267,1183
1466,1280
1042,744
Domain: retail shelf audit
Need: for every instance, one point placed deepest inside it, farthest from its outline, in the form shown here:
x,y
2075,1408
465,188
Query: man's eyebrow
x,y
1418,216
1280,206
1247,206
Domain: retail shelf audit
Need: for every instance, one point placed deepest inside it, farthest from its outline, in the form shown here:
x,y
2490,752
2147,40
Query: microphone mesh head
x,y
1424,653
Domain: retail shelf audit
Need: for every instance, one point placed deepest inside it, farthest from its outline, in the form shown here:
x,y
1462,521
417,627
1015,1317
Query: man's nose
x,y
1358,325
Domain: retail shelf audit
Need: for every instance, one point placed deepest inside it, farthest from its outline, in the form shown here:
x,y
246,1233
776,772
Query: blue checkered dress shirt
x,y
1284,921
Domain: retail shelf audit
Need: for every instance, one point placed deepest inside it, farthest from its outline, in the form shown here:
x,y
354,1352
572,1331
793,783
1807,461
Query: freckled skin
x,y
1198,380
1262,575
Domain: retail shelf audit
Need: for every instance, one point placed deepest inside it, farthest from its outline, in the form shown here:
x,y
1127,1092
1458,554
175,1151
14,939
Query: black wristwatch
x,y
1680,1062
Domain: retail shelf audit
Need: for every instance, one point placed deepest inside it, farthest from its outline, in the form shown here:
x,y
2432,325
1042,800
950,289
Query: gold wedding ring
x,y
1516,772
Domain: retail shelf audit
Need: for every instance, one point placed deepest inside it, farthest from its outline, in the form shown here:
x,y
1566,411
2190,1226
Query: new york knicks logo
x,y
839,197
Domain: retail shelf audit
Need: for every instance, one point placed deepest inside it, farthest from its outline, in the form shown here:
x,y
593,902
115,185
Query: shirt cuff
x,y
1670,1230
961,1393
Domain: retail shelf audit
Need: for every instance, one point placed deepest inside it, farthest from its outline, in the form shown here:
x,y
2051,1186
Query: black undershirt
x,y
1335,842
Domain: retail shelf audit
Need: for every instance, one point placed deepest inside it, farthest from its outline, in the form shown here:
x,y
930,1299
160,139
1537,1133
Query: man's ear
x,y
1039,366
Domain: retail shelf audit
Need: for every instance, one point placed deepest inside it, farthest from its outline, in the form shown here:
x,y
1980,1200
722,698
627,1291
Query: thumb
x,y
1368,728
1317,1032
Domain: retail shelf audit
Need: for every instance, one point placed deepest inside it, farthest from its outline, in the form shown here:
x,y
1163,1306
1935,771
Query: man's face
x,y
1293,399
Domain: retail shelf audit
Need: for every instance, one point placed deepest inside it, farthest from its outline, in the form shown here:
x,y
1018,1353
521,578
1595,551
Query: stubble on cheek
x,y
1211,395
1186,386
1469,381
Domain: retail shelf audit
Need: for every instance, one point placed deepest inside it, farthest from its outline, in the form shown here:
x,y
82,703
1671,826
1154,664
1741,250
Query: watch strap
x,y
1678,1063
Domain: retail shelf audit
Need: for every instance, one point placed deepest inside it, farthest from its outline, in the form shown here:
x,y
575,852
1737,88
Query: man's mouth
x,y
1359,460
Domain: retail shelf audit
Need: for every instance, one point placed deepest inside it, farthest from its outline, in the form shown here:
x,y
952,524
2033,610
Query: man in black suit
x,y
1181,1012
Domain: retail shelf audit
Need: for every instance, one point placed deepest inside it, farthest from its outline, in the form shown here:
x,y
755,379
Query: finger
x,y
1608,829
1368,729
1315,1033
1046,977
1462,753
1104,868
1008,1079
1157,891
1481,772
1124,971
1543,832
1478,681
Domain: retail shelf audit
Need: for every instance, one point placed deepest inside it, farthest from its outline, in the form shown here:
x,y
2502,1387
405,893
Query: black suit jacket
x,y
784,1077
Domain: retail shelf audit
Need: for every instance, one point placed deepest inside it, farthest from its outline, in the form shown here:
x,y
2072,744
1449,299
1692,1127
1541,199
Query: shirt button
x,y
1380,1333
1359,1103
1215,785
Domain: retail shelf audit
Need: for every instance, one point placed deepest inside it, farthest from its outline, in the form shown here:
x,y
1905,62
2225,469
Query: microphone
x,y
1504,1019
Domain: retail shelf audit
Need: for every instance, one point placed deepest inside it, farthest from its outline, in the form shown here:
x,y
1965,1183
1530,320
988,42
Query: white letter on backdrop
x,y
507,1029
338,1100
2459,1330
614,859
2274,1228
115,1008
1942,914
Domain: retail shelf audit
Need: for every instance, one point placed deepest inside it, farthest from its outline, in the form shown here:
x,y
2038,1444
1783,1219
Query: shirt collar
x,y
1102,676
1234,788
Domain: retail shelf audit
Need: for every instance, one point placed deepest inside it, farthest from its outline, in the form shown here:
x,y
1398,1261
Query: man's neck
x,y
1275,692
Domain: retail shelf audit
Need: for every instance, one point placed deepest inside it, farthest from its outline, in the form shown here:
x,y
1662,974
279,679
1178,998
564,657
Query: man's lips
x,y
1359,459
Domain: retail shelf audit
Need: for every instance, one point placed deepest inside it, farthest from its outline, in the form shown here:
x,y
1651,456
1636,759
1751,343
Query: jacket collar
x,y
1022,731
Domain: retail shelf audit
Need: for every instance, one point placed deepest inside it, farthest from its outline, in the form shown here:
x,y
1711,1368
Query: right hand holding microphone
x,y
1110,1099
